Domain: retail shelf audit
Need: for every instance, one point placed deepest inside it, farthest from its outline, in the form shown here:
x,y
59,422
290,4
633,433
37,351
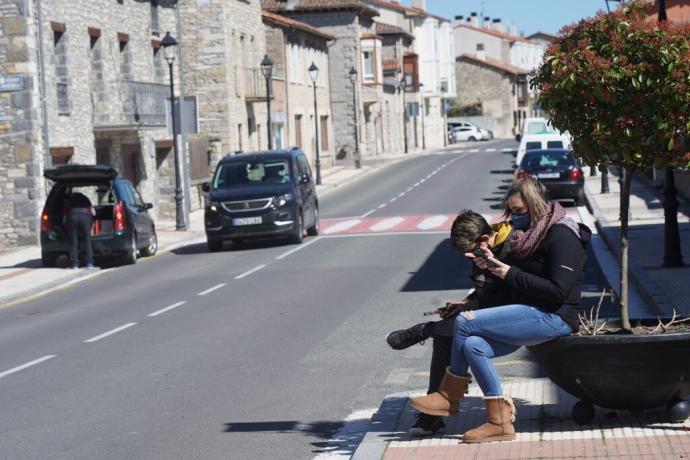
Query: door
x,y
130,163
137,216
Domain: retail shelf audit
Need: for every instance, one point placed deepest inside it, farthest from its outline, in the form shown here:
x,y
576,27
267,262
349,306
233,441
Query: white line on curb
x,y
247,273
163,310
106,334
26,365
214,288
299,248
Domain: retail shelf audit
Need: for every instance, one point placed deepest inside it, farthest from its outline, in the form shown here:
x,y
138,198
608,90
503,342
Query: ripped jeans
x,y
483,334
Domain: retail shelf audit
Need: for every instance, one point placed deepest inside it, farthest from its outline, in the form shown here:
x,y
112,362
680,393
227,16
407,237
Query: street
x,y
253,352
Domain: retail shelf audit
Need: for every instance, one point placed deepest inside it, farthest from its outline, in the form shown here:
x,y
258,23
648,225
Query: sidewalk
x,y
22,275
544,426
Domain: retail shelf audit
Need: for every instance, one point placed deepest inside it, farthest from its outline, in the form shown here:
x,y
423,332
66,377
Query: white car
x,y
467,133
552,140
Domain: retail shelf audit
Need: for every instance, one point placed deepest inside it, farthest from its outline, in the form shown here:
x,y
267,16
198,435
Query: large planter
x,y
629,372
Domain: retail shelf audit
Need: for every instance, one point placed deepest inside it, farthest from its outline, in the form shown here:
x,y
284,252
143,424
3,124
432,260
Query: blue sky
x,y
528,15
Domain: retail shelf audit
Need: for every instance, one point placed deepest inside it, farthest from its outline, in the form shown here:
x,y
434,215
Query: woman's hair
x,y
533,193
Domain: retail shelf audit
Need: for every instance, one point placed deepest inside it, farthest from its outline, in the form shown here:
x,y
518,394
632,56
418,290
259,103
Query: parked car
x,y
261,195
122,226
487,134
558,170
467,133
547,140
533,125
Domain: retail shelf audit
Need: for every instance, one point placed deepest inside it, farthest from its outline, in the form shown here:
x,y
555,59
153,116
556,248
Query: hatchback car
x,y
122,226
467,133
558,170
261,195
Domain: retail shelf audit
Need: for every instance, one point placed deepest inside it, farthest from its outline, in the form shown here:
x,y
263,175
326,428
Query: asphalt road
x,y
254,352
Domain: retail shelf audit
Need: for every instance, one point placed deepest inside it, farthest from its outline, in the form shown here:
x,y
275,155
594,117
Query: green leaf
x,y
628,131
671,66
669,147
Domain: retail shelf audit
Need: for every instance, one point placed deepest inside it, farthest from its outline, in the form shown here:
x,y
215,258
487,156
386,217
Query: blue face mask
x,y
520,221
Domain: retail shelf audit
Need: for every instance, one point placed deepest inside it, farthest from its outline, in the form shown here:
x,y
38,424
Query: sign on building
x,y
187,116
11,83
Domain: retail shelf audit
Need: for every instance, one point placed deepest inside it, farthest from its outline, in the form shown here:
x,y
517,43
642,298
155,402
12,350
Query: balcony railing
x,y
128,103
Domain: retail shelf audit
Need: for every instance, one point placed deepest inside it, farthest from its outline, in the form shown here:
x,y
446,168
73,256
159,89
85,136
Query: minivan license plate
x,y
548,175
246,220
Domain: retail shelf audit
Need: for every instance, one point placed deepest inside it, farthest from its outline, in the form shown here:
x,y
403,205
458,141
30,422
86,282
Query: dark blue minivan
x,y
261,195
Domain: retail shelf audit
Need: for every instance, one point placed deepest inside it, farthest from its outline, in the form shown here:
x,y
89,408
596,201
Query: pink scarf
x,y
524,243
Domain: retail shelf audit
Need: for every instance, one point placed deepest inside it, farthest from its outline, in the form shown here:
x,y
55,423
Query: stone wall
x,y
20,141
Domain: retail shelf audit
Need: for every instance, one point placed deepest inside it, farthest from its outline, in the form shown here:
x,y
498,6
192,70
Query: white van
x,y
549,140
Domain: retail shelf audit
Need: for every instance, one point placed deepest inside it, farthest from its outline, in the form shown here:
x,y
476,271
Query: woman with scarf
x,y
544,273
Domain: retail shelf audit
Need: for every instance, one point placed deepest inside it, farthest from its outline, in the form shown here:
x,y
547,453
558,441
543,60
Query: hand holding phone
x,y
480,254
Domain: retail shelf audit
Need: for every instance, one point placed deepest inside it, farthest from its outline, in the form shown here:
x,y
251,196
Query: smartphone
x,y
479,253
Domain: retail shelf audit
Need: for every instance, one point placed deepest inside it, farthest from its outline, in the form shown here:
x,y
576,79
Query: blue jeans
x,y
499,331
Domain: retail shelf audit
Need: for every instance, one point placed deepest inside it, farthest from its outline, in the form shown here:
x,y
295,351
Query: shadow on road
x,y
443,270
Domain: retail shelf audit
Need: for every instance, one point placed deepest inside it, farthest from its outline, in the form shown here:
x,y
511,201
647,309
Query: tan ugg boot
x,y
499,427
446,401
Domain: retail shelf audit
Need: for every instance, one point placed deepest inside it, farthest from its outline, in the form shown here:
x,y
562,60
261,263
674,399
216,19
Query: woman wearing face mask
x,y
543,272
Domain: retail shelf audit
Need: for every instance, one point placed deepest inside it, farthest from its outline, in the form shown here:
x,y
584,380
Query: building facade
x,y
91,88
293,47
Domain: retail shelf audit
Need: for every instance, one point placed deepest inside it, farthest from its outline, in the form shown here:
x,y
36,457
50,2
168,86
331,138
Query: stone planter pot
x,y
620,371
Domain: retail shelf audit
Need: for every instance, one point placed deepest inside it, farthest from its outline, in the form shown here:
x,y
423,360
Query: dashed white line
x,y
401,194
168,308
383,205
109,333
392,200
300,247
386,224
249,272
490,150
26,365
416,184
211,289
367,213
421,181
474,150
408,189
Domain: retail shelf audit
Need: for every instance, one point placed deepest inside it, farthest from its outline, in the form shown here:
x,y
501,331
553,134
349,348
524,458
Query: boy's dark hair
x,y
468,227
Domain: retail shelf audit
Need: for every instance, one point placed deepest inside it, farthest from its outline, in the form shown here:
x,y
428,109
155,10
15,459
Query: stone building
x,y
499,89
293,47
84,82
357,46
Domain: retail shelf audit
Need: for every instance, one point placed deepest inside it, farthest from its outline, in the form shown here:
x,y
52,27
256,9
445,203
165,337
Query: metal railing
x,y
129,103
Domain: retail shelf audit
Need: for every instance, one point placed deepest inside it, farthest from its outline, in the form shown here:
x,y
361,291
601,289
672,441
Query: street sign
x,y
187,116
11,83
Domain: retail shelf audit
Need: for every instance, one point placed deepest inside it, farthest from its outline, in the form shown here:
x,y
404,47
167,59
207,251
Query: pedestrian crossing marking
x,y
342,226
432,222
386,224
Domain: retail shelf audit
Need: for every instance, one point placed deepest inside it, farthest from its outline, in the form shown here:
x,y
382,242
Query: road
x,y
254,352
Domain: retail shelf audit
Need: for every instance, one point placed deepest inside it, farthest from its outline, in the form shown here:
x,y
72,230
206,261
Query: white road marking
x,y
422,180
301,246
168,308
409,189
109,333
416,184
507,149
474,150
342,226
432,222
367,213
214,288
26,365
249,272
401,194
387,224
399,376
357,235
392,200
490,150
340,445
381,206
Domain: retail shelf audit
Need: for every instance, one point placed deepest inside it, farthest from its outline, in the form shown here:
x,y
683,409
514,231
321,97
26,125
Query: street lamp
x,y
403,88
353,79
423,108
169,45
314,75
267,70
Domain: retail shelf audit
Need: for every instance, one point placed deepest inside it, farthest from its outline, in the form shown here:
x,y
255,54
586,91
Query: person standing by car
x,y
80,214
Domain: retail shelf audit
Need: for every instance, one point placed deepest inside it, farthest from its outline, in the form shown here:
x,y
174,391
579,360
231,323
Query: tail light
x,y
46,223
575,173
119,224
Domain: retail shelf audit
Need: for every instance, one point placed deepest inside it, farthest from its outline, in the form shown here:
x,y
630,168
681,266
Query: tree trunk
x,y
625,206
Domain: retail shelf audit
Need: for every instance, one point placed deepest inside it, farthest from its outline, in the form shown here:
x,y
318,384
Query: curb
x,y
651,293
382,424
49,286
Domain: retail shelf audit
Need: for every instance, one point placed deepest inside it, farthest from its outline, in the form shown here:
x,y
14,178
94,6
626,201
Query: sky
x,y
528,15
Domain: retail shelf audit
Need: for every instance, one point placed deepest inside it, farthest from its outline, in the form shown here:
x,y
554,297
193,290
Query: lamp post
x,y
169,45
314,75
267,70
605,180
353,79
423,109
403,88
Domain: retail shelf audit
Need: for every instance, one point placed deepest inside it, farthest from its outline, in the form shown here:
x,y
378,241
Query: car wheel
x,y
298,236
130,257
48,259
472,139
214,245
152,247
314,229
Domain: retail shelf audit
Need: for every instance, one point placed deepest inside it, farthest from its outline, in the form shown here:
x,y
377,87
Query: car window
x,y
554,145
303,166
536,127
542,160
532,145
242,173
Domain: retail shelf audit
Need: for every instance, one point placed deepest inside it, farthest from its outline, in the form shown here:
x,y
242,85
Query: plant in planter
x,y
620,84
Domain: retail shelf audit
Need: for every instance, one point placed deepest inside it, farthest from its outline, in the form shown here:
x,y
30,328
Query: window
x,y
125,57
154,16
554,145
61,68
324,133
298,131
158,67
368,65
533,145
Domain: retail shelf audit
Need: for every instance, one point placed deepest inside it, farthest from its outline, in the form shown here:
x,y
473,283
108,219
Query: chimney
x,y
513,30
480,52
497,25
487,22
473,19
459,18
421,4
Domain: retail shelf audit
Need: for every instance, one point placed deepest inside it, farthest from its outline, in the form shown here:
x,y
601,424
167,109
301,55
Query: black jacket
x,y
490,291
551,278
